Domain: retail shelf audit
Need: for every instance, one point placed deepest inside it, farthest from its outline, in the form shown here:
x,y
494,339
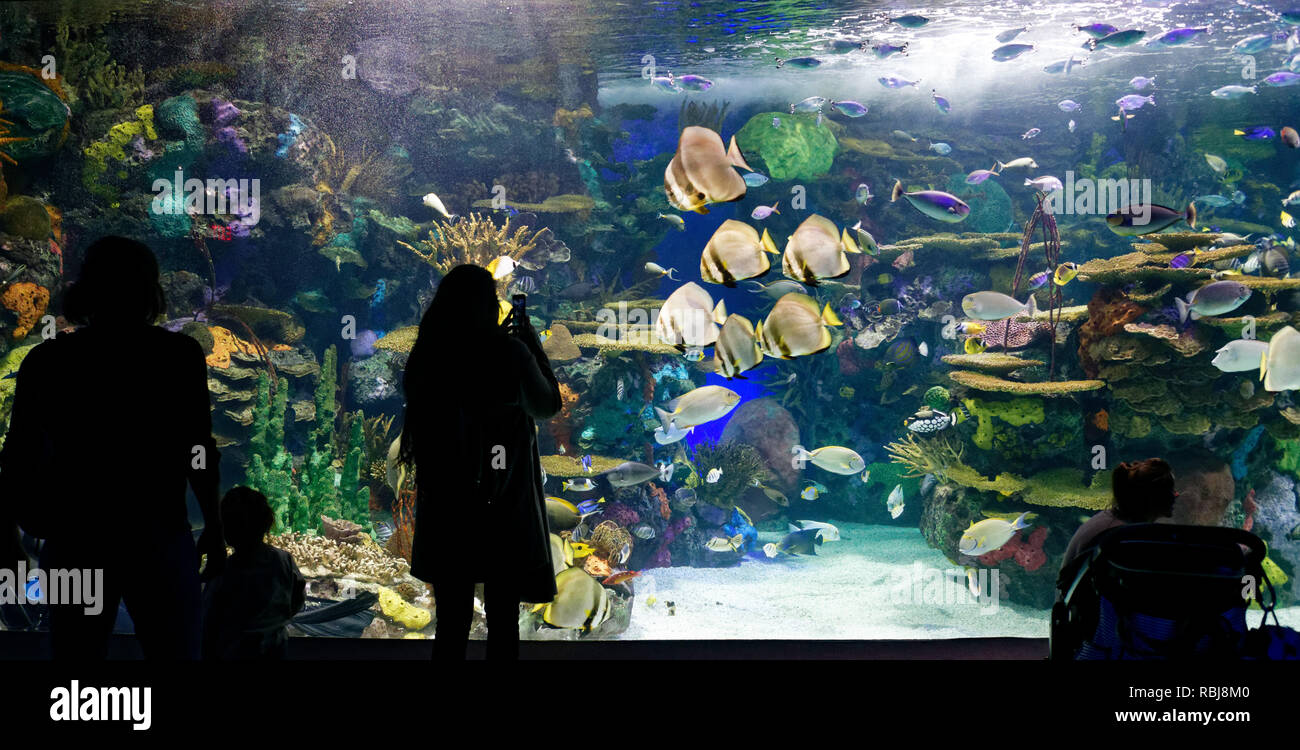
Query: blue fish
x,y
885,50
1182,260
589,506
1097,30
586,463
754,179
1178,36
1011,51
1039,280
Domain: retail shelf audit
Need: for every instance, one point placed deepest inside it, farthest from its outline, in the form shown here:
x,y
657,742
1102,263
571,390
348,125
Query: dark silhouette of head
x,y
1143,490
118,284
459,322
246,517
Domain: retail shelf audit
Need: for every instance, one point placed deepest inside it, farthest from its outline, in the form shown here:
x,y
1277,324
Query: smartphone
x,y
518,312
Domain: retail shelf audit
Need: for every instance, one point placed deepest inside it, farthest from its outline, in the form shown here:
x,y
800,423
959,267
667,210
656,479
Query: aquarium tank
x,y
854,306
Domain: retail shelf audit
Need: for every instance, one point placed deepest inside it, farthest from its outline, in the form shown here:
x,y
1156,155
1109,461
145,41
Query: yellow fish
x,y
973,346
1288,220
971,328
846,392
581,550
1065,273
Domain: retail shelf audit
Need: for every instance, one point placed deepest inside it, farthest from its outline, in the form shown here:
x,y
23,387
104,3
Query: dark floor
x,y
19,646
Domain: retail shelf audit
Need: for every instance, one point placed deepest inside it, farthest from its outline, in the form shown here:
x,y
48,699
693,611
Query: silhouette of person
x,y
248,604
109,422
1142,491
473,390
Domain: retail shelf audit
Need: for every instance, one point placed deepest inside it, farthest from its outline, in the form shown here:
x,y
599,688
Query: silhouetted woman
x,y
1142,491
109,423
473,390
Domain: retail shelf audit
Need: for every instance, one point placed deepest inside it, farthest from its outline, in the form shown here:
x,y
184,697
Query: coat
x,y
480,512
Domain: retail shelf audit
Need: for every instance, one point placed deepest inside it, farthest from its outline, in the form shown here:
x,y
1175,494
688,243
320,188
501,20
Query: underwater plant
x,y
87,65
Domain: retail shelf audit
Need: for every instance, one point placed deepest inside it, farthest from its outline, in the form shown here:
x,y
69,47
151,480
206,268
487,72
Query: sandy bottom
x,y
878,582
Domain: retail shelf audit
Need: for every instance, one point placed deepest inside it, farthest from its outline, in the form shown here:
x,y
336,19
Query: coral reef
x,y
984,382
27,301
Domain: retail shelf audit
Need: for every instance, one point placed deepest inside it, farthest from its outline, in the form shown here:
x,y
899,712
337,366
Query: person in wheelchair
x,y
1142,491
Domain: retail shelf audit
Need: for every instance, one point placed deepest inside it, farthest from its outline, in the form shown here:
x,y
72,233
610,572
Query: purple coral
x,y
223,111
230,137
621,515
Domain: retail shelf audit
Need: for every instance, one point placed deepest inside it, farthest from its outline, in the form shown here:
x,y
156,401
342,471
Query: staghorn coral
x,y
476,240
28,301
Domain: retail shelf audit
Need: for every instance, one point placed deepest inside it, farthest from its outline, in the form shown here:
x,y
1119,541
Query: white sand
x,y
861,587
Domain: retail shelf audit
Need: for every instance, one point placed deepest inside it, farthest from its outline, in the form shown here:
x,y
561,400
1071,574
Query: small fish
x,y
943,104
970,328
678,222
578,485
1070,125
618,393
1233,91
501,267
811,104
973,581
863,193
666,471
1024,161
693,354
895,502
1068,105
888,307
1213,201
841,46
923,349
1252,44
1140,82
802,63
643,531
1032,132
1046,184
1291,199
1010,34
910,21
936,204
754,179
1039,280
586,460
434,202
1062,66
776,122
979,175
893,82
778,289
865,240
850,108
825,531
695,83
719,544
1097,30
942,149
1175,37
1216,163
883,51
1065,273
1116,39
620,577
1134,101
812,492
587,507
996,306
1008,52
1290,137
865,476
658,269
762,212
1257,133
666,83
1183,260
973,346
1288,220
929,421
713,476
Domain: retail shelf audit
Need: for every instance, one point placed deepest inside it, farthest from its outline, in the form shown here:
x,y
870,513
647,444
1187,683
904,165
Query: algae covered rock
x,y
25,217
772,430
798,150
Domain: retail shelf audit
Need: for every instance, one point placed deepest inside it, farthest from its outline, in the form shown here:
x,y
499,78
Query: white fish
x,y
1140,82
578,485
996,306
618,390
1281,366
696,407
1071,126
1024,161
713,476
1031,133
671,435
1068,105
1233,92
666,471
988,535
895,502
833,458
1216,163
1240,355
656,268
1046,184
778,289
827,531
688,317
923,349
434,202
501,267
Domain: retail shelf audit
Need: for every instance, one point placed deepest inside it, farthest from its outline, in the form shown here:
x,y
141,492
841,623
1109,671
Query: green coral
x,y
1017,412
938,398
1065,488
798,150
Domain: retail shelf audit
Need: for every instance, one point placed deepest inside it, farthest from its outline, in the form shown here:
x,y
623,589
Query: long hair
x,y
1142,490
460,320
118,283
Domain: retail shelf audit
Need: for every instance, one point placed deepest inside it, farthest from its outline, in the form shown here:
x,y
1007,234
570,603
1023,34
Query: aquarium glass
x,y
986,253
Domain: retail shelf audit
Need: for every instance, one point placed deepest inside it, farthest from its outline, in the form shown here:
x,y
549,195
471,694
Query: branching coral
x,y
475,239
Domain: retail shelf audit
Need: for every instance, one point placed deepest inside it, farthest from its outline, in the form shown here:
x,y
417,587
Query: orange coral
x,y
1101,420
28,300
597,567
659,492
223,344
561,425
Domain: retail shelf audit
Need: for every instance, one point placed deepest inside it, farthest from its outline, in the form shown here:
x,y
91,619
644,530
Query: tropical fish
x,y
850,108
802,542
1044,184
713,476
1126,222
1216,163
698,406
620,577
933,203
1293,198
695,83
668,436
894,503
719,544
904,135
973,346
885,50
817,251
1141,82
693,354
737,347
1031,133
1282,78
1288,220
1280,366
630,474
1097,30
1062,66
1040,279
811,104
865,241
563,515
1070,126
1024,161
1290,137
778,289
1213,201
942,149
833,458
312,300
1183,260
979,175
678,222
434,202
812,492
988,535
1009,34
1257,133
1252,44
795,328
688,317
928,421
754,179
1233,91
1011,51
996,306
863,194
803,63
643,531
735,252
1134,101
762,212
655,268
1065,273
501,267
1276,263
840,46
894,82
580,602
578,485
1068,105
1215,298
1116,39
943,104
586,460
702,172
588,507
826,531
1175,37
910,21
666,83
